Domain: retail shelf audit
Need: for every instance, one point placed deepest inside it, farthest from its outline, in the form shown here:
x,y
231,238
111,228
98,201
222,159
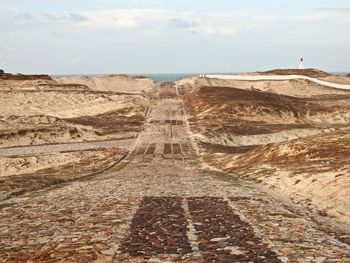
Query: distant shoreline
x,y
165,77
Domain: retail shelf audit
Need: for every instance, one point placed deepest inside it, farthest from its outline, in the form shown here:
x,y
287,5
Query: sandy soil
x,y
162,206
312,171
297,87
162,203
22,174
45,111
284,136
118,83
12,166
37,110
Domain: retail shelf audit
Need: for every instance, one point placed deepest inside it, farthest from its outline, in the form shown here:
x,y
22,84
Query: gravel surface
x,y
157,209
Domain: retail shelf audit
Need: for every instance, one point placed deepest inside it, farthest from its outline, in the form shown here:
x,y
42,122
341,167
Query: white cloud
x,y
74,17
124,18
222,24
154,34
151,21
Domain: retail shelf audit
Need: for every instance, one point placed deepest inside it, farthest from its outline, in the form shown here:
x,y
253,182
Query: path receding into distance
x,y
161,205
279,77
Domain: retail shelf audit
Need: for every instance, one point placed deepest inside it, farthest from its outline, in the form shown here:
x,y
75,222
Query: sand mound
x,y
21,77
312,171
41,111
224,115
21,174
310,72
298,146
116,83
296,87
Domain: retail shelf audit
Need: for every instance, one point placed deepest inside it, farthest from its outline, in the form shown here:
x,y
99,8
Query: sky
x,y
172,36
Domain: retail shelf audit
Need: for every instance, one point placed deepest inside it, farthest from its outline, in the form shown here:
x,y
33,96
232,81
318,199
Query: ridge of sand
x,y
297,146
280,77
117,83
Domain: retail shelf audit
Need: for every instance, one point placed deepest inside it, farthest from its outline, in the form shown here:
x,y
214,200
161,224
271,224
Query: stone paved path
x,y
158,206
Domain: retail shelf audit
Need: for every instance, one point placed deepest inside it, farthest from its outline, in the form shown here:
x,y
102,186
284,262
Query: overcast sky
x,y
155,36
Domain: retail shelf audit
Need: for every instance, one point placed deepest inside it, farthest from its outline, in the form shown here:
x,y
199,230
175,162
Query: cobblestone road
x,y
160,206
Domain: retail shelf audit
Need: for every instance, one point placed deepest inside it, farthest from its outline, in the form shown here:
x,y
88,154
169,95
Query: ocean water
x,y
167,77
159,77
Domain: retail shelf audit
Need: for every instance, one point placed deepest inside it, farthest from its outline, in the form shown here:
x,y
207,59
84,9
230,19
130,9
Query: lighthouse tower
x,y
301,65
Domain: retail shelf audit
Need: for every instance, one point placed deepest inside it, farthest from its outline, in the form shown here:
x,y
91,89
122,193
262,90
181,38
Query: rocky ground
x,y
162,203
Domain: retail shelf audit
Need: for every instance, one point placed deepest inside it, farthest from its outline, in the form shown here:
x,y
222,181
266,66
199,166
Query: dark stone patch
x,y
158,227
174,122
167,148
223,236
185,147
140,151
176,148
151,148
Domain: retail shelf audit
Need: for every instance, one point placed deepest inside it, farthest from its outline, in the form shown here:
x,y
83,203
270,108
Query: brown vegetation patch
x,y
310,72
219,148
314,153
233,101
21,77
112,122
92,163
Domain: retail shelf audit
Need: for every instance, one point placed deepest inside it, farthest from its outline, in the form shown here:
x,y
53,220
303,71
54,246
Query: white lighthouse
x,y
301,65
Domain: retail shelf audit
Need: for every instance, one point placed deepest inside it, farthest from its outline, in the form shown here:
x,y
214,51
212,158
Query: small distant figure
x,y
301,65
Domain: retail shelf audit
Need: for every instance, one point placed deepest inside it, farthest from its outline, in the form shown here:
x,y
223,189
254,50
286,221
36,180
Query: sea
x,y
168,77
159,77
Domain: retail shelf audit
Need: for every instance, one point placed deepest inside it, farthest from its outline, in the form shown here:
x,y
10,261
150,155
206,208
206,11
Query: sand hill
x,y
38,110
116,83
289,135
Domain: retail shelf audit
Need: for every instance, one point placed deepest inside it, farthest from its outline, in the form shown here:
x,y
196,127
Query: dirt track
x,y
161,205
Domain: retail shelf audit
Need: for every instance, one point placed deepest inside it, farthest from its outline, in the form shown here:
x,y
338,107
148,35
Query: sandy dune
x,y
37,110
117,83
45,111
161,205
281,133
290,77
294,87
160,202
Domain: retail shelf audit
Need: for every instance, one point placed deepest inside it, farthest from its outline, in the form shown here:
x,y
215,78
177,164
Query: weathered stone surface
x,y
162,210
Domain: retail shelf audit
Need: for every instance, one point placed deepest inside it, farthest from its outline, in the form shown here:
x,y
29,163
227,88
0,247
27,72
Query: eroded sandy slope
x,y
297,145
45,111
119,83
